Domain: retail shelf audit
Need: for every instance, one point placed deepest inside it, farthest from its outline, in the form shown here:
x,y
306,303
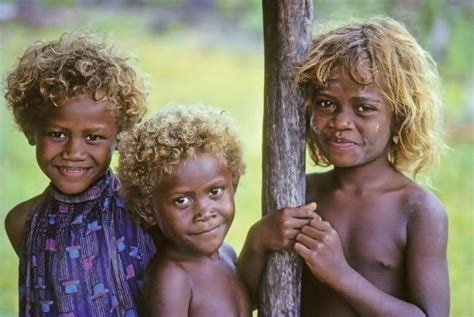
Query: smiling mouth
x,y
205,231
72,171
341,142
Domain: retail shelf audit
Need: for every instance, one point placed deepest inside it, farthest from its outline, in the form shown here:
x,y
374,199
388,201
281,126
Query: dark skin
x,y
358,263
194,286
74,147
376,245
194,274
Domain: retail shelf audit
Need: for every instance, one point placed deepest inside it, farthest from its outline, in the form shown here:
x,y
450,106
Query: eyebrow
x,y
363,98
368,99
322,93
98,127
185,189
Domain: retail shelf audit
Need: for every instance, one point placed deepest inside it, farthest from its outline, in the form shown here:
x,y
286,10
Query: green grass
x,y
182,70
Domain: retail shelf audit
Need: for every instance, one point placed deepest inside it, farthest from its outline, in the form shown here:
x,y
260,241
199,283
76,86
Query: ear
x,y
235,185
311,125
395,125
149,219
30,136
117,142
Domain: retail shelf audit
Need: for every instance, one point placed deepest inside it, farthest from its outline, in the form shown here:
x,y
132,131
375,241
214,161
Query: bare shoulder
x,y
15,221
423,203
169,272
169,291
228,254
427,213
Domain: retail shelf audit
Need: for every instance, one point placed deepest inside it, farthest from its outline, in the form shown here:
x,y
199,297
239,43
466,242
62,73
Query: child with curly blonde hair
x,y
376,245
80,252
179,172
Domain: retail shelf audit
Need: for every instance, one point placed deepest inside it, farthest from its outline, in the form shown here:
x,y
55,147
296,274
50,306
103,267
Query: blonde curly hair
x,y
74,65
381,51
150,152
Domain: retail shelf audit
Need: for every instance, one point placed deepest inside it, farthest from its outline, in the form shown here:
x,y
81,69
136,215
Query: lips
x,y
72,171
206,231
341,142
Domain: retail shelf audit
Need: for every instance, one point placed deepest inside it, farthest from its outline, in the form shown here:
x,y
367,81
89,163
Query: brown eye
x,y
57,135
324,105
216,192
93,138
182,201
364,108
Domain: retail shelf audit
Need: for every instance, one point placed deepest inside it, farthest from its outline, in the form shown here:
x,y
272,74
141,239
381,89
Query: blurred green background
x,y
211,52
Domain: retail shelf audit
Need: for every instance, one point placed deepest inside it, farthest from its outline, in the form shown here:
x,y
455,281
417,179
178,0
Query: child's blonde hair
x,y
74,65
150,152
381,51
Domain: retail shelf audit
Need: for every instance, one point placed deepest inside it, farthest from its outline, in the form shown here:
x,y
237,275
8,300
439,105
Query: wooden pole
x,y
287,37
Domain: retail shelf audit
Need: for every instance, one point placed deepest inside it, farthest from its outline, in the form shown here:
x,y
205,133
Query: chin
x,y
210,250
72,190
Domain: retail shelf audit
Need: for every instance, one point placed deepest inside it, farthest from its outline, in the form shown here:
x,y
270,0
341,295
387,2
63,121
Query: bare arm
x,y
170,294
15,222
427,266
228,256
320,247
274,232
251,263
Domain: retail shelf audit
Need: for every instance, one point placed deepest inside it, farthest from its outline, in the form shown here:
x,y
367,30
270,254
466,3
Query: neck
x,y
179,253
371,175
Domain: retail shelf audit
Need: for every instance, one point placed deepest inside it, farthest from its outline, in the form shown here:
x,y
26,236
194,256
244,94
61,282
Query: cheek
x,y
376,128
46,150
229,210
379,127
313,122
105,153
169,226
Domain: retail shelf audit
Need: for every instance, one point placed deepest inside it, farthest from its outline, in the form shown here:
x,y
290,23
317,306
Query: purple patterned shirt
x,y
82,255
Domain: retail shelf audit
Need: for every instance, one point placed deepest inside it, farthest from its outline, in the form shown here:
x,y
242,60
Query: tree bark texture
x,y
287,38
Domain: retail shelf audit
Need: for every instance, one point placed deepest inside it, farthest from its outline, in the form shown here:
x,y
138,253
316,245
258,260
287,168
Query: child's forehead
x,y
81,103
362,77
201,158
202,167
359,75
81,108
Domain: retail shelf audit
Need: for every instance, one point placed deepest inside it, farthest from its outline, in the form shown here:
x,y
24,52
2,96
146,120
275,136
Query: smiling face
x,y
194,207
74,146
351,122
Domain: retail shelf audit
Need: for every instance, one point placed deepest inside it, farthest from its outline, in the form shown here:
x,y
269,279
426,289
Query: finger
x,y
302,250
313,233
305,211
311,206
298,223
307,241
291,233
320,224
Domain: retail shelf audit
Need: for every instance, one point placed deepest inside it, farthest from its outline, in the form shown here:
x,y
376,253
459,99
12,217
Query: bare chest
x,y
372,231
218,291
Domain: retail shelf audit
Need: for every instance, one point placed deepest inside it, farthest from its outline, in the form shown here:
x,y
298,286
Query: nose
x,y
343,119
73,150
204,211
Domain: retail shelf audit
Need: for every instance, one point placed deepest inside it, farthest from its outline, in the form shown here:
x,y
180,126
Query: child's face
x,y
74,146
352,122
194,207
